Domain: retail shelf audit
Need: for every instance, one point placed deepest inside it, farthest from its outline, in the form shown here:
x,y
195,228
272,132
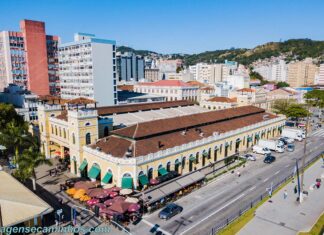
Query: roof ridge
x,y
135,130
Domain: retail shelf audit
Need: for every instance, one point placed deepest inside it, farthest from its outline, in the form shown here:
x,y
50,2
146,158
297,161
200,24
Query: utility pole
x,y
1,224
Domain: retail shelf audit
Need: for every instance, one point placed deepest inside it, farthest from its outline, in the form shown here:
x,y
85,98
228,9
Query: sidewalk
x,y
286,216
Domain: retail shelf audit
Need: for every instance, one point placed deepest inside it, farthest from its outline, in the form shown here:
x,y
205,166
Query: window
x,y
73,138
88,138
106,131
64,134
168,166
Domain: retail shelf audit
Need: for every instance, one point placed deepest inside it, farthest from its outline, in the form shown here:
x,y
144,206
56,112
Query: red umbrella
x,y
102,195
154,181
95,192
100,205
120,206
107,191
86,185
115,189
113,194
109,202
119,198
92,201
134,207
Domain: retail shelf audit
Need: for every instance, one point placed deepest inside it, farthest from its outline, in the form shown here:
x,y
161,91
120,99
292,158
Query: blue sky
x,y
169,26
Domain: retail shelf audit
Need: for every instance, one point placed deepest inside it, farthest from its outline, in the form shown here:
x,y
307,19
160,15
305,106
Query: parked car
x,y
269,159
169,211
248,157
290,147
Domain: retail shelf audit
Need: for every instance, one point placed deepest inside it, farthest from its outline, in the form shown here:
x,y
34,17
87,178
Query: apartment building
x,y
151,75
302,73
29,58
320,80
88,69
130,67
171,89
272,71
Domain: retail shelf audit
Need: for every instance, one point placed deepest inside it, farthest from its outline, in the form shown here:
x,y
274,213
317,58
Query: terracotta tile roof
x,y
108,110
113,145
155,127
222,100
81,100
207,88
171,139
246,90
196,83
50,99
126,87
62,116
177,83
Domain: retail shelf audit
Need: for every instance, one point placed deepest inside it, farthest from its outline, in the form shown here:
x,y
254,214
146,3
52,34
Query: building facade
x,y
171,89
130,67
151,75
29,58
302,73
218,103
88,69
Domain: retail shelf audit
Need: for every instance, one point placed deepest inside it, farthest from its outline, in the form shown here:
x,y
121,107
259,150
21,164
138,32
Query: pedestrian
x,y
238,174
318,184
285,194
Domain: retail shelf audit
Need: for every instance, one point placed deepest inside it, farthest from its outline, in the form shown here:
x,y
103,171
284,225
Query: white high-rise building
x,y
273,71
88,69
320,80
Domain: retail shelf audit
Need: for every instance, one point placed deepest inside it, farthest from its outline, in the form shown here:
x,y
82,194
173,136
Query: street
x,y
228,193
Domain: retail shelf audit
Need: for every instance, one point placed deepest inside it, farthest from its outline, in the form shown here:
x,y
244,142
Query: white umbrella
x,y
2,148
105,186
125,191
131,200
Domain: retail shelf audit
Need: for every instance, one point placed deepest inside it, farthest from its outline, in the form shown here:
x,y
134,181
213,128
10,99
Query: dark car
x,y
269,159
284,140
170,210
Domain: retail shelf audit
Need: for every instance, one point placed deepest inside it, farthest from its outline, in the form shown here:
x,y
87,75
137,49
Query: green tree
x,y
315,98
28,162
8,114
282,84
16,137
297,111
281,106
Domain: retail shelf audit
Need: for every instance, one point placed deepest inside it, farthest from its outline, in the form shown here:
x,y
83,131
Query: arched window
x,y
127,175
176,165
87,124
73,138
52,129
60,131
42,128
150,173
183,163
168,166
88,138
55,130
64,133
106,131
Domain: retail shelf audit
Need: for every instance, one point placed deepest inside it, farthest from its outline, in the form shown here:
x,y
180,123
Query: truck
x,y
272,145
291,133
260,150
299,131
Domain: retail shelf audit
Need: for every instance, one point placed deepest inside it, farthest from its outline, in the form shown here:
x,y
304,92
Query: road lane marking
x,y
226,205
277,172
159,228
252,188
265,179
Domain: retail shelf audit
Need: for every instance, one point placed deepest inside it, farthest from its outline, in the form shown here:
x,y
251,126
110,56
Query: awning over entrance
x,y
192,158
190,179
249,139
143,179
106,178
94,172
127,182
83,165
163,171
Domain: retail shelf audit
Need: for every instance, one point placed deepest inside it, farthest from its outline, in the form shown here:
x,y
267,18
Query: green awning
x,y
162,171
226,144
127,182
257,136
205,154
83,165
280,128
106,178
192,158
177,163
238,140
143,179
94,172
249,139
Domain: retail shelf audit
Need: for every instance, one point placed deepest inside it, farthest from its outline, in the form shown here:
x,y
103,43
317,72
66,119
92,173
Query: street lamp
x,y
304,155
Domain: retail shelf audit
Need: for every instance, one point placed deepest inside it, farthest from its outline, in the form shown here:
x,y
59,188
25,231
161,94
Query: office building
x,y
88,69
151,75
29,59
130,67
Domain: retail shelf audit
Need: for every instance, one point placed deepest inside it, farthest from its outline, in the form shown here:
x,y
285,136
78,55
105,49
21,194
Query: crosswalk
x,y
319,133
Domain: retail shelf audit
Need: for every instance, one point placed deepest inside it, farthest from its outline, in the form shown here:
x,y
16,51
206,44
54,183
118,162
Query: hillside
x,y
293,49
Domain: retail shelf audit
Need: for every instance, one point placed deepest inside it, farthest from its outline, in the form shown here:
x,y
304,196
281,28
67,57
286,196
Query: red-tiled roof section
x,y
246,90
126,87
155,127
108,110
113,145
222,99
62,116
177,83
118,146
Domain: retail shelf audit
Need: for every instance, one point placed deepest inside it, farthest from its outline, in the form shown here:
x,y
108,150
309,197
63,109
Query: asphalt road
x,y
204,208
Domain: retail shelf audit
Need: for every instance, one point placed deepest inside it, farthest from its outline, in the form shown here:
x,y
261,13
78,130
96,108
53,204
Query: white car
x,y
260,150
248,157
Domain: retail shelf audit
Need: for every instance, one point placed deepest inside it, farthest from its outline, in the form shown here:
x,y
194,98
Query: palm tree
x,y
28,162
15,137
